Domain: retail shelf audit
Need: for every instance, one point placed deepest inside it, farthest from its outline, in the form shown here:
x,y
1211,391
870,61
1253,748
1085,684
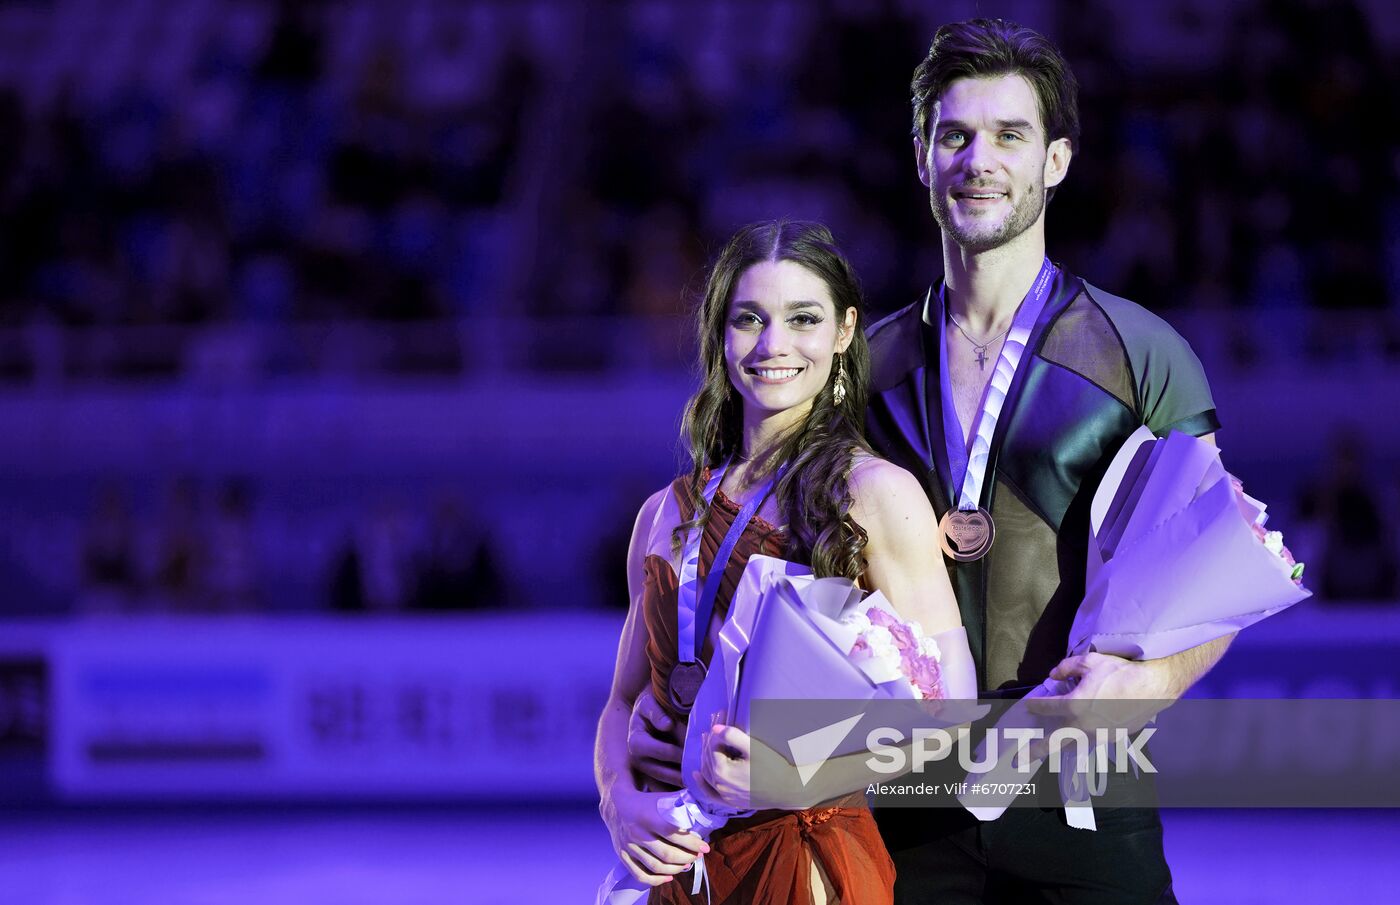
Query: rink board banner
x,y
1042,752
489,708
499,707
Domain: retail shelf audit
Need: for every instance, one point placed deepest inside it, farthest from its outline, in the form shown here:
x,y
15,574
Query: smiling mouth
x,y
774,375
979,196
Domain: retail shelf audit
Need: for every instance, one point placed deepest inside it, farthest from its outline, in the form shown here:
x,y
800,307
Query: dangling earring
x,y
838,392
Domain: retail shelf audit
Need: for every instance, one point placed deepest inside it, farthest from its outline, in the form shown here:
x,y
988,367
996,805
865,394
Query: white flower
x,y
1273,542
881,642
929,648
857,620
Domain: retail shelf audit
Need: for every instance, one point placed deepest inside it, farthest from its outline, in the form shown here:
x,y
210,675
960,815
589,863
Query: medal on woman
x,y
683,684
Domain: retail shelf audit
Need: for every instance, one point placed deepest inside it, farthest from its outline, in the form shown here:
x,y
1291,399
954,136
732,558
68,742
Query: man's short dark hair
x,y
987,48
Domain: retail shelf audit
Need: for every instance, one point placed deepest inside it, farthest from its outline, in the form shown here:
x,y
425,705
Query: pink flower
x,y
1276,543
923,672
879,616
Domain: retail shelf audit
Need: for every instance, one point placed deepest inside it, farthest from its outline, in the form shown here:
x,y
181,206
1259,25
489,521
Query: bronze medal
x,y
966,534
684,684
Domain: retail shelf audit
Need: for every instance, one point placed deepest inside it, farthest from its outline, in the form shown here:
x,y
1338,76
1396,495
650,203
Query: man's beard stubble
x,y
1023,214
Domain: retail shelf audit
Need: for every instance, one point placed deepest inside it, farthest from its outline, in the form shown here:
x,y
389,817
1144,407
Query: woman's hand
x,y
650,847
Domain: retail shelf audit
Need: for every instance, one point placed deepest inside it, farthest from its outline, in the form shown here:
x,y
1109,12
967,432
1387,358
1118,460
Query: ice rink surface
x,y
509,856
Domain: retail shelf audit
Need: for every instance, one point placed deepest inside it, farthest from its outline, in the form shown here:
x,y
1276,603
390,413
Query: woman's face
x,y
781,331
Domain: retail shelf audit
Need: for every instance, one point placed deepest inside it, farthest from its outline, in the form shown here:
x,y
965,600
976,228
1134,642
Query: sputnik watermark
x,y
933,745
1195,753
893,752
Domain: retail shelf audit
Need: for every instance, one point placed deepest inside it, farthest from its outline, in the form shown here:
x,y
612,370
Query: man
x,y
1008,389
1013,442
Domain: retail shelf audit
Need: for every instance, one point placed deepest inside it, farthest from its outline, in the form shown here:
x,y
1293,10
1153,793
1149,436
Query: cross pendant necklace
x,y
980,349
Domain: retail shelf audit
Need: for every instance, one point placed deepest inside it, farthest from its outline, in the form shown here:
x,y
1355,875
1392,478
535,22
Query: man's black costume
x,y
1096,368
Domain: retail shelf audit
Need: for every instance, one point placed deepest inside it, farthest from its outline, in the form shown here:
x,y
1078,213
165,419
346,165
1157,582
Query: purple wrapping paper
x,y
1187,567
778,643
784,640
789,656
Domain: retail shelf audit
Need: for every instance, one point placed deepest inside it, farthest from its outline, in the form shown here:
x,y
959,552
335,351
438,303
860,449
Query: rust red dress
x,y
765,858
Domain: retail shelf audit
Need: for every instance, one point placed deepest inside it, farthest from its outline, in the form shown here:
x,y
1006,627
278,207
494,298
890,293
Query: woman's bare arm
x,y
903,560
650,848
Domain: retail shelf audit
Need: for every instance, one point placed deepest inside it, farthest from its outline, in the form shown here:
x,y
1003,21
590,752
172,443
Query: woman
x,y
774,433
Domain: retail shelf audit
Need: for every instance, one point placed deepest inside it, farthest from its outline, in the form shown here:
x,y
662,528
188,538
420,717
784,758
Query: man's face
x,y
986,164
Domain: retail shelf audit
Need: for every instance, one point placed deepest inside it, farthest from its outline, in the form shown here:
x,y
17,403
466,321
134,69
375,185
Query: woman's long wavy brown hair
x,y
814,491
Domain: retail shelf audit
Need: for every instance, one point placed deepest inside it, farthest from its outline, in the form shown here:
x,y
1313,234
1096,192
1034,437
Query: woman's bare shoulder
x,y
874,476
883,492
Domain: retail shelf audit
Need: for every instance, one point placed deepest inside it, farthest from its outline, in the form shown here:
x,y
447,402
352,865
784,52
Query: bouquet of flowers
x,y
1178,555
792,636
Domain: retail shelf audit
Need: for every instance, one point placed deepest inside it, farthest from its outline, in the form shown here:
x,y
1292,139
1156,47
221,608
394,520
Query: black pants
x,y
945,856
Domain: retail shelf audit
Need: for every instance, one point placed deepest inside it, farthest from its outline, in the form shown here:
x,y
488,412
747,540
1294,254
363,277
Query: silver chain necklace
x,y
980,349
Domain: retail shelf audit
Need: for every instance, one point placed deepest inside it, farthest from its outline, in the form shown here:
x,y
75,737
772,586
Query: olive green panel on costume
x,y
1021,576
1172,390
1059,439
1084,341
